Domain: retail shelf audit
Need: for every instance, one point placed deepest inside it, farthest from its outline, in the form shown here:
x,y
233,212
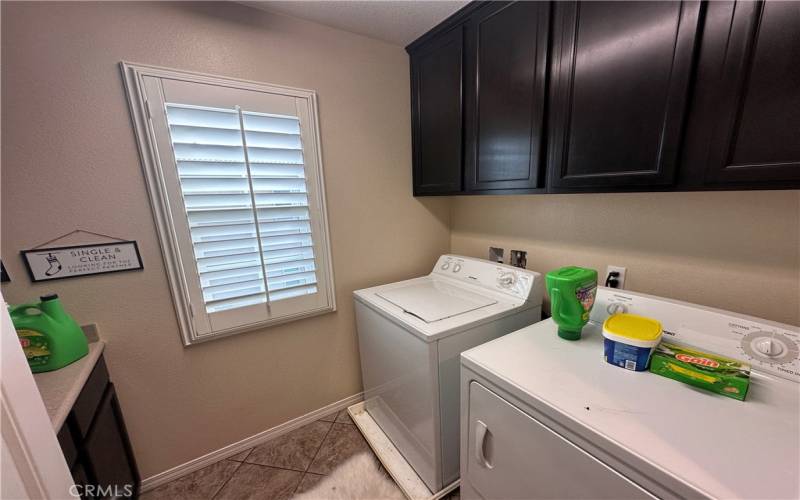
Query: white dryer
x,y
410,336
543,417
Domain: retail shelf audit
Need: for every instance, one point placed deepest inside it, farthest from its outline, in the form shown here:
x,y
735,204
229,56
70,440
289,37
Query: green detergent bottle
x,y
571,290
50,338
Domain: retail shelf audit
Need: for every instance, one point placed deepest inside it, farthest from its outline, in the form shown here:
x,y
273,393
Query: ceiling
x,y
398,22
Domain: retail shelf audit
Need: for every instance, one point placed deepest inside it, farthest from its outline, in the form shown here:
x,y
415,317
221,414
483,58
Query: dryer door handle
x,y
481,432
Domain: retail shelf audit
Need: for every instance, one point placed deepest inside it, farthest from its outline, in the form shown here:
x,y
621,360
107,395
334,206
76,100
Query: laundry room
x,y
400,249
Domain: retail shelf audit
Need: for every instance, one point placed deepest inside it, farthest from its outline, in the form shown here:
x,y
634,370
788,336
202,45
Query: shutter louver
x,y
220,180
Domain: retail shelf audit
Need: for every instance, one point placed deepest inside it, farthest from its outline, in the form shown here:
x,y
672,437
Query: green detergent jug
x,y
50,338
571,290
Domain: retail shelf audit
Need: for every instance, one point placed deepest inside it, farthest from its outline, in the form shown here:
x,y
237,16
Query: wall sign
x,y
54,263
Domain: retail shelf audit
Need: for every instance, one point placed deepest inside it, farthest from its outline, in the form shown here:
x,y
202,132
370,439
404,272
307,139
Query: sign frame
x,y
33,276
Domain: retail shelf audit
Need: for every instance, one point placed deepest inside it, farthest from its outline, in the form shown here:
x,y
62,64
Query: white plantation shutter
x,y
219,184
241,181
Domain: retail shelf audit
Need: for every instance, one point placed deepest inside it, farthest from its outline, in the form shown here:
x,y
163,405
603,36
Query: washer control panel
x,y
767,346
512,281
521,283
506,279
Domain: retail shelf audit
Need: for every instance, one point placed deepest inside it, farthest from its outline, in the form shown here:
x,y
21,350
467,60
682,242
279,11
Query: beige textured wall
x,y
733,250
69,160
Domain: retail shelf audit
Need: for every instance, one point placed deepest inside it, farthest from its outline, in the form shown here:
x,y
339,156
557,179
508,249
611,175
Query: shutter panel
x,y
216,186
209,153
274,145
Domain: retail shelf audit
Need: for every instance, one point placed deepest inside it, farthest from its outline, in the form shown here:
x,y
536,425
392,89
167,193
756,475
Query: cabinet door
x,y
513,455
81,480
507,62
749,82
620,86
436,114
85,407
108,451
68,445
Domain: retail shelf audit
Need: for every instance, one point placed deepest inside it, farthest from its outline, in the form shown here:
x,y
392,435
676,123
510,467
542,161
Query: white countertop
x,y
60,388
721,447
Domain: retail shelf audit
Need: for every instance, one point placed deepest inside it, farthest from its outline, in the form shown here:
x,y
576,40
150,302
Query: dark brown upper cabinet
x,y
620,87
745,127
506,64
437,113
551,97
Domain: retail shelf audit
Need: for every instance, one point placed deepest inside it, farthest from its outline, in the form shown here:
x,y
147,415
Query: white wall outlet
x,y
620,280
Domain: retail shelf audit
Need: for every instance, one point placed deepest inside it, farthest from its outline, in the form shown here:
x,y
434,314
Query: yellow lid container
x,y
632,329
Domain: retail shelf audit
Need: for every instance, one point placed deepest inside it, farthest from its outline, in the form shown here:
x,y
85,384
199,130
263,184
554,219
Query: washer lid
x,y
434,300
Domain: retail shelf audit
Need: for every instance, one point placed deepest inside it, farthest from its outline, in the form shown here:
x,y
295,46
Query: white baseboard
x,y
245,444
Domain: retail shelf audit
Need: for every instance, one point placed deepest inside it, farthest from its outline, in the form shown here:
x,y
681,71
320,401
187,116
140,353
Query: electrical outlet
x,y
620,277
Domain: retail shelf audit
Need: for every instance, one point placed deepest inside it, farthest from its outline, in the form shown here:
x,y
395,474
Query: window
x,y
235,179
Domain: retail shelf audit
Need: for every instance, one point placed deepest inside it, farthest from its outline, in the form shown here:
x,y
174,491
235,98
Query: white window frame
x,y
133,76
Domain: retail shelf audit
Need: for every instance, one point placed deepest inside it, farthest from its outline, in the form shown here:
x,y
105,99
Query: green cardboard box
x,y
702,369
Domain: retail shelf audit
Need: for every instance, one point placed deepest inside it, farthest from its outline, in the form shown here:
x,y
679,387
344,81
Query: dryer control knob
x,y
456,268
769,347
445,266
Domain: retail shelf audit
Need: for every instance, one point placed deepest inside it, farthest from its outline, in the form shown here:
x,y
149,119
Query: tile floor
x,y
276,470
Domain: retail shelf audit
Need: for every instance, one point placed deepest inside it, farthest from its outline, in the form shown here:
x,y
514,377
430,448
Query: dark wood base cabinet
x,y
95,442
559,97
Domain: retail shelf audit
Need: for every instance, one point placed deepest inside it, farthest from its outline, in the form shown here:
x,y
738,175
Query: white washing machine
x,y
410,336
